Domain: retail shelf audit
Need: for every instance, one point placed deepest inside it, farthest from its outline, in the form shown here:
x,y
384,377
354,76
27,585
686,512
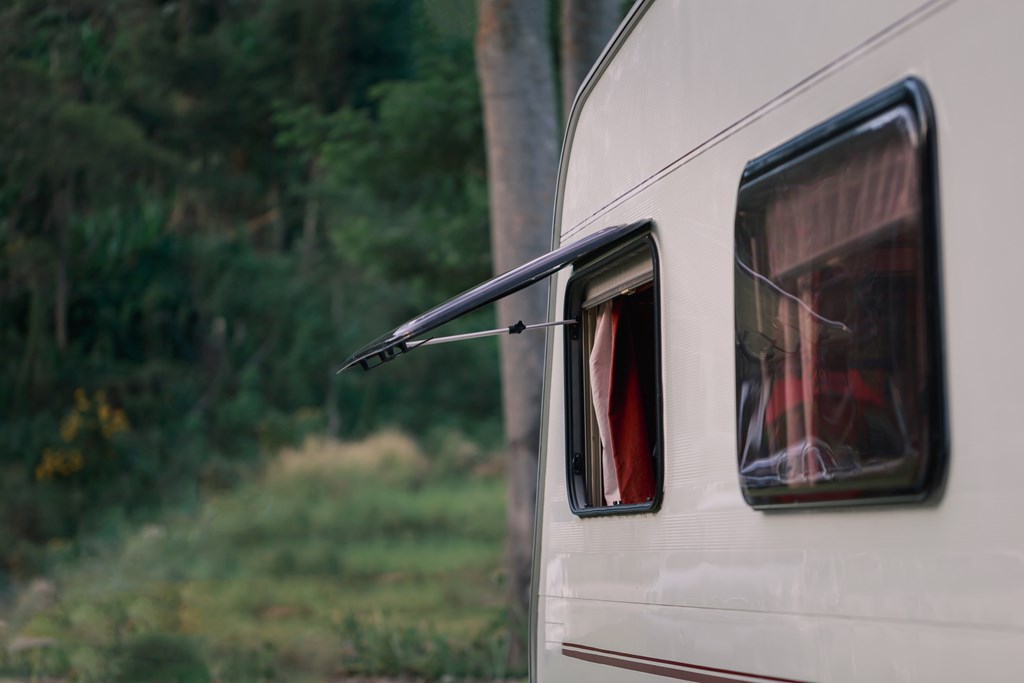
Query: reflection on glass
x,y
831,320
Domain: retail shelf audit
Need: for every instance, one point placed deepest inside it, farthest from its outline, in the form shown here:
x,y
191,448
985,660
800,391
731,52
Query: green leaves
x,y
219,201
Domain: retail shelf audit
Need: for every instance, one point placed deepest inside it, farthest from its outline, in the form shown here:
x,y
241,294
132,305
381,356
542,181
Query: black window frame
x,y
576,402
930,484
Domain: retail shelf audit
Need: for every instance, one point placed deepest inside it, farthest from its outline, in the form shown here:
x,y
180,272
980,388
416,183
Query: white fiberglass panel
x,y
910,592
689,70
645,643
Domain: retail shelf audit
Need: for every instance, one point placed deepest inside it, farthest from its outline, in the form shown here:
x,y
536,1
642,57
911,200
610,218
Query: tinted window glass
x,y
839,392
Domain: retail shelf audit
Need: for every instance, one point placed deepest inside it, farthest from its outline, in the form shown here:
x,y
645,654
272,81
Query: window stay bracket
x,y
405,347
518,328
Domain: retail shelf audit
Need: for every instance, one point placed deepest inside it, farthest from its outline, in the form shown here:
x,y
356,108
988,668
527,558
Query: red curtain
x,y
630,406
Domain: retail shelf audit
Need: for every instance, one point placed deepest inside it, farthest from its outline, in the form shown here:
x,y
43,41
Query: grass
x,y
367,558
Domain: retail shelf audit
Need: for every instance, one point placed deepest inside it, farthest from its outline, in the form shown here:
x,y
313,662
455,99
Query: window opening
x,y
613,384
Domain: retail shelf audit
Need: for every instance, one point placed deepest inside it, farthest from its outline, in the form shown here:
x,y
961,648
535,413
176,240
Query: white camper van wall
x,y
839,384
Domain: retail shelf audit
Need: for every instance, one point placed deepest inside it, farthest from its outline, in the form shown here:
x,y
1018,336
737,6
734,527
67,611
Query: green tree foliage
x,y
204,205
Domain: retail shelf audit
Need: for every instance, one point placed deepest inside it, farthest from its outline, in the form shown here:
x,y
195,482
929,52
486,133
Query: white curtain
x,y
600,383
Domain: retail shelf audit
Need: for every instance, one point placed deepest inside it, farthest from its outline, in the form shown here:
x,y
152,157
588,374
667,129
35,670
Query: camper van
x,y
783,430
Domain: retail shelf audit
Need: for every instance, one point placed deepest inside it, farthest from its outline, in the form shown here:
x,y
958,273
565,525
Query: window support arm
x,y
405,347
518,328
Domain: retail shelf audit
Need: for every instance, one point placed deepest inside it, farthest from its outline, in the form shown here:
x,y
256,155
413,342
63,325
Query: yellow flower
x,y
69,426
119,423
81,400
113,422
44,470
59,461
71,462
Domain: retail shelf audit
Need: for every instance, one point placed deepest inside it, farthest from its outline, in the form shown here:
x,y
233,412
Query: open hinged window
x,y
839,377
414,333
613,377
613,390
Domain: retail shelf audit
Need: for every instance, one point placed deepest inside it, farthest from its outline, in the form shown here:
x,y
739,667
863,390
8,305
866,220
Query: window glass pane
x,y
835,392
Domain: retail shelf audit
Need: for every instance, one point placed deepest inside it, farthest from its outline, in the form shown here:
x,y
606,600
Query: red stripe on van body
x,y
657,666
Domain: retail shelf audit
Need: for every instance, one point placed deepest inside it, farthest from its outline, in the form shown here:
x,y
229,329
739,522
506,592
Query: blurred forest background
x,y
204,206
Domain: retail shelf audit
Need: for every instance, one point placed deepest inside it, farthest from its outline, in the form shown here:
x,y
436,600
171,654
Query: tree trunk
x,y
279,236
337,302
587,25
58,218
60,298
60,215
514,62
311,216
28,377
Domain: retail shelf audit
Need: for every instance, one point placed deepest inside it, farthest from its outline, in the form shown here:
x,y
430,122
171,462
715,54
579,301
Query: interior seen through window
x,y
614,410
